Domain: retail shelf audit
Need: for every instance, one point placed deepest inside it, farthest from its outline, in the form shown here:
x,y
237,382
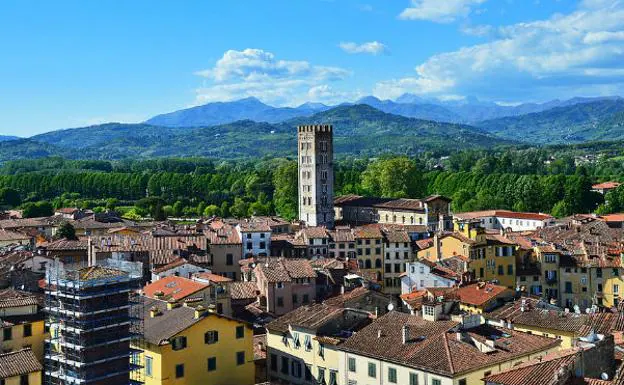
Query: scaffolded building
x,y
95,315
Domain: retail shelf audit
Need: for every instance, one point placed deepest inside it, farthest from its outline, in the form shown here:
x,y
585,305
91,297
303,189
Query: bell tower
x,y
315,145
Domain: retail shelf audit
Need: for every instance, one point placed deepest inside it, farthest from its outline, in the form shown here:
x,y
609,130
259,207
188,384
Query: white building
x,y
179,268
508,220
256,238
424,274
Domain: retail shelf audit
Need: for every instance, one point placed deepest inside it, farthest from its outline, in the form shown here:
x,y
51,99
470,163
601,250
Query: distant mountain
x,y
226,112
471,110
572,123
4,138
426,111
359,130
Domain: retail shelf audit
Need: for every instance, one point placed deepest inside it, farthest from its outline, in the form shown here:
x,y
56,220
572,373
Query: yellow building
x,y
185,346
492,256
20,367
22,322
482,297
302,345
369,247
399,348
607,285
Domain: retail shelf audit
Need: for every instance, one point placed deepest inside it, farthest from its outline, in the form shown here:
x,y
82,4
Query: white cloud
x,y
439,11
366,8
568,53
255,72
476,30
371,47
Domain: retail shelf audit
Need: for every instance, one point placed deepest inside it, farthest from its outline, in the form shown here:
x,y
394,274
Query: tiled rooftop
x,y
17,363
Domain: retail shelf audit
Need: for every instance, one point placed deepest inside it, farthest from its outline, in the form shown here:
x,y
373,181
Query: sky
x,y
76,63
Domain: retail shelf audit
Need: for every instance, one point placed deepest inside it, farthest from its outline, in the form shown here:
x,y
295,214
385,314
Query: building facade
x,y
316,175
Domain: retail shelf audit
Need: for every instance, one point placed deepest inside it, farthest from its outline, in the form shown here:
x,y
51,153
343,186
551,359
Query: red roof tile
x,y
173,287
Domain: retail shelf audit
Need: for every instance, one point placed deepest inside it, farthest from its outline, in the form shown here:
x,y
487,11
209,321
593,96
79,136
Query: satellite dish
x,y
604,376
588,310
390,307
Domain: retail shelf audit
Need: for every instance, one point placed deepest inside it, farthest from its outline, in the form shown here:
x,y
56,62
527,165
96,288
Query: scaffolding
x,y
95,319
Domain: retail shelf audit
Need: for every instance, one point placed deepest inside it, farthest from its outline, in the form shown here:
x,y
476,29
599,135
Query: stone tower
x,y
316,175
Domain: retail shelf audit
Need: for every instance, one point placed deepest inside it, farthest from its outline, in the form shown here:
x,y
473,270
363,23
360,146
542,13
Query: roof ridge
x,y
448,352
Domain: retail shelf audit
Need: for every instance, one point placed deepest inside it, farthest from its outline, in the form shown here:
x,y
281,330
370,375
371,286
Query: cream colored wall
x,y
567,338
411,217
330,360
195,356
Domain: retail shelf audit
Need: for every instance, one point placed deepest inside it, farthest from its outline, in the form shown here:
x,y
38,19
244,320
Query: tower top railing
x,y
315,128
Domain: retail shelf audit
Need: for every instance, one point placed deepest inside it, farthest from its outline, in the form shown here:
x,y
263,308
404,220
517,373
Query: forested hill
x,y
360,130
597,120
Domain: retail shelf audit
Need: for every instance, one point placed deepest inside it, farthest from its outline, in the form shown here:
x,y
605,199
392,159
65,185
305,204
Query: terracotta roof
x,y
342,235
248,226
354,294
99,272
315,232
541,315
606,185
368,232
358,200
308,316
6,235
284,270
14,298
244,290
67,245
67,210
173,287
536,372
435,348
496,239
18,363
172,265
479,294
424,243
224,235
403,204
213,277
503,214
613,217
398,236
415,299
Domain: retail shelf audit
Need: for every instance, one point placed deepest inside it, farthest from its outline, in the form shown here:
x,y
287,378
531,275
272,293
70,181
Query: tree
x,y
37,209
67,231
211,210
10,197
285,195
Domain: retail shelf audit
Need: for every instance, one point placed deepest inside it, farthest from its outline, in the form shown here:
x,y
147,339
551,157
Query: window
x,y
27,330
392,375
332,377
178,343
211,337
486,374
262,245
296,341
24,379
372,370
510,270
240,332
229,259
212,364
321,375
280,301
308,373
279,285
435,381
352,364
295,299
7,334
321,350
307,343
599,272
285,365
274,362
149,362
295,368
616,289
501,270
599,287
413,379
240,358
462,381
179,370
249,246
614,272
306,298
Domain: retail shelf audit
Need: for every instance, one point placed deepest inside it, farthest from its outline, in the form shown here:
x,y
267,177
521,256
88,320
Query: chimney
x,y
405,333
154,312
172,304
458,335
342,289
379,333
199,311
90,254
436,244
489,342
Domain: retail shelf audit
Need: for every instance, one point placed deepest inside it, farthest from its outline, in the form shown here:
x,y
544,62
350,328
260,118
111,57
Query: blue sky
x,y
74,63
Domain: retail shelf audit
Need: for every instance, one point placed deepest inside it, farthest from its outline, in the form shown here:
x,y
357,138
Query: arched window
x,y
420,221
367,264
378,263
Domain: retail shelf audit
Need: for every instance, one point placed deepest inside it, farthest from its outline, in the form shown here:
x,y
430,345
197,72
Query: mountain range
x,y
410,124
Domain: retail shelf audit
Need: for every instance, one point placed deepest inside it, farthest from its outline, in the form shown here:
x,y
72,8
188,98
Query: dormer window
x,y
308,343
296,341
